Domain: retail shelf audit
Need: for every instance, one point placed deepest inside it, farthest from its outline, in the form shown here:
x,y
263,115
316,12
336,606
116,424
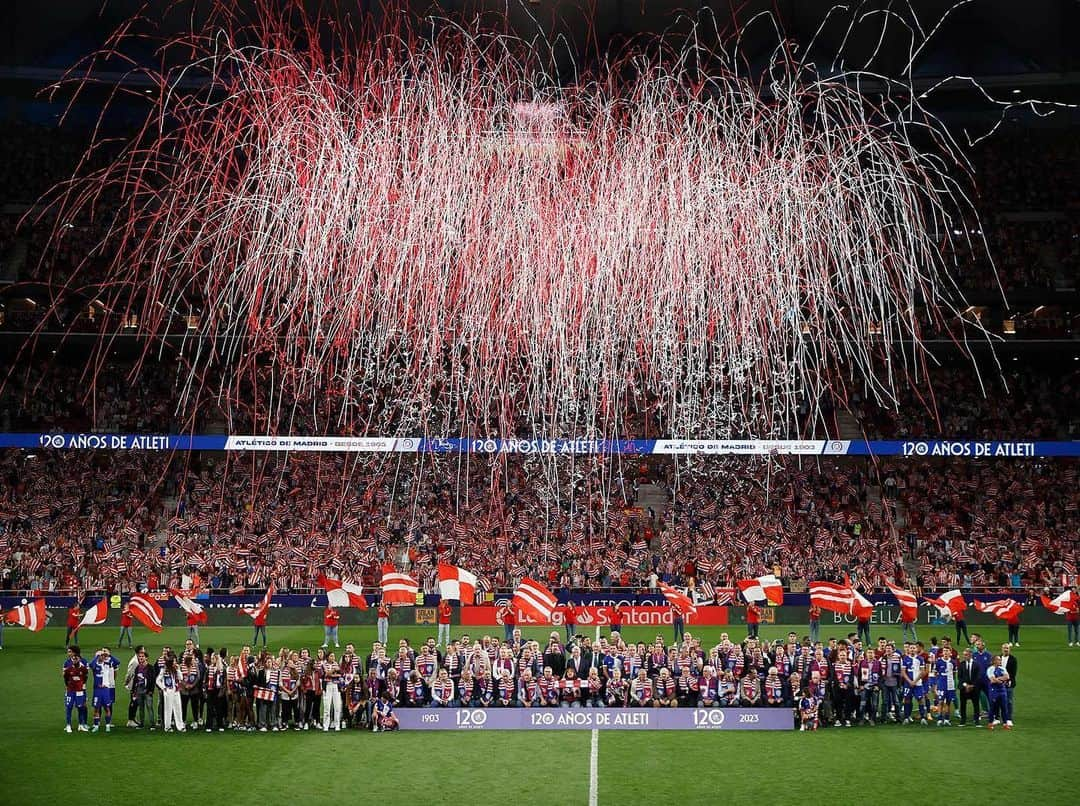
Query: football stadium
x,y
595,401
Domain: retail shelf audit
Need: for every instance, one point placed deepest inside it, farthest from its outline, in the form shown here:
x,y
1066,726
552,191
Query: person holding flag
x,y
74,623
76,673
382,622
104,667
258,615
331,617
815,624
753,619
125,626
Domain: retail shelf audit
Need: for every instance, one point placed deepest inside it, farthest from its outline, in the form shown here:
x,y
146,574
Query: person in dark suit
x,y
1008,660
971,673
554,655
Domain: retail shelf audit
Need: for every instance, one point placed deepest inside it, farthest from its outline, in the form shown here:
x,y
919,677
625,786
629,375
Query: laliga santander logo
x,y
584,616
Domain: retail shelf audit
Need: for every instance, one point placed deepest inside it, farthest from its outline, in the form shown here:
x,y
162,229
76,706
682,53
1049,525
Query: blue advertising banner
x,y
661,447
595,718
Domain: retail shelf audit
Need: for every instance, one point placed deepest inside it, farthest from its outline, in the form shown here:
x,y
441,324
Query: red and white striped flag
x,y
1002,608
33,616
457,583
950,601
1062,605
95,615
839,599
254,611
676,598
147,610
909,605
189,605
398,587
340,593
534,601
762,589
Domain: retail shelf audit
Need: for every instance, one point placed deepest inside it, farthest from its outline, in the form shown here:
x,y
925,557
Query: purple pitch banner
x,y
595,718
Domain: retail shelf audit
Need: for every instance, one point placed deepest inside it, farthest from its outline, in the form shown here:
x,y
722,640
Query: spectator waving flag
x,y
457,583
950,601
676,598
340,593
1002,608
95,615
32,616
146,610
264,604
1062,605
398,587
762,589
534,601
909,605
189,605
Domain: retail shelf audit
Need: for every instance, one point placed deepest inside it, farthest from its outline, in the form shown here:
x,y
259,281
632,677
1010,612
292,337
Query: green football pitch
x,y
1035,763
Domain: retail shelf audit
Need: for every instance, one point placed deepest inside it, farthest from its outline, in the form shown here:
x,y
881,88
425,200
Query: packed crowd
x,y
841,682
115,521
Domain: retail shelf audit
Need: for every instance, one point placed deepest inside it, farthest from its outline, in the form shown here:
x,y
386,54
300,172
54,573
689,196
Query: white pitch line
x,y
594,753
594,750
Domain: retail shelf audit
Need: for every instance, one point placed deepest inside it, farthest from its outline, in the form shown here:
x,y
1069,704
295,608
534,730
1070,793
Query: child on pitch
x,y
385,718
76,673
808,710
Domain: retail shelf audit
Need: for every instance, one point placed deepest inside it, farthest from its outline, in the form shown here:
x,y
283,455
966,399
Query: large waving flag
x,y
909,605
950,601
398,587
762,589
96,615
1062,605
33,616
1002,608
457,583
839,599
189,605
340,593
255,611
534,600
146,610
676,598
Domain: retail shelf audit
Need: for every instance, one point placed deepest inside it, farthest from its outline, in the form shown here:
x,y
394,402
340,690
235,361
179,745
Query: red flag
x,y
909,605
146,610
534,601
1002,608
398,587
457,583
189,605
96,614
32,616
762,589
951,601
260,609
1061,606
676,598
340,593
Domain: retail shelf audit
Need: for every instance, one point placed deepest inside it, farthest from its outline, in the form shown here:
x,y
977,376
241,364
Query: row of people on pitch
x,y
890,686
